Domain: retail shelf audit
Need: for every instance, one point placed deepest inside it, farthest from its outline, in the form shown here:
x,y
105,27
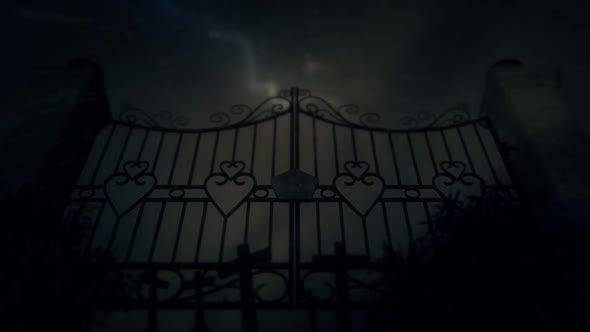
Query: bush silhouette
x,y
488,270
47,281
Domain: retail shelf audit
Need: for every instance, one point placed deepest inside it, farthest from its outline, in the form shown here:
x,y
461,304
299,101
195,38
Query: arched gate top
x,y
300,101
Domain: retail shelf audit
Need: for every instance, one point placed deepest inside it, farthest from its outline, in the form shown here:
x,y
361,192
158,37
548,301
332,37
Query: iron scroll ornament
x,y
135,116
317,107
324,290
360,189
349,114
458,186
124,190
449,117
176,289
242,114
230,187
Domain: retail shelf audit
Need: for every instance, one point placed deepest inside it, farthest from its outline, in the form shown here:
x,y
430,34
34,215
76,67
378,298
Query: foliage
x,y
47,281
490,270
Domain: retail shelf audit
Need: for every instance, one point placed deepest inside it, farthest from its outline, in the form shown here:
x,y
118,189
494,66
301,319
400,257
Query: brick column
x,y
551,160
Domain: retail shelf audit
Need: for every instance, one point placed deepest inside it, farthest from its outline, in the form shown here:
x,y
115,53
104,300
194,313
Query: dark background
x,y
197,57
387,56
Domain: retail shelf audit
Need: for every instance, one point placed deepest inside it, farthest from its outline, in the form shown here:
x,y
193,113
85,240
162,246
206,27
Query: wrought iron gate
x,y
292,204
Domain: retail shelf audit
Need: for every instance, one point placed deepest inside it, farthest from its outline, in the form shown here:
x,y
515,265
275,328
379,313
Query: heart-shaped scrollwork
x,y
232,168
135,168
454,169
125,190
358,169
230,188
455,185
359,189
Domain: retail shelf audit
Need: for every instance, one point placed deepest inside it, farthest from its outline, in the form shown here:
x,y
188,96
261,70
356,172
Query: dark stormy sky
x,y
389,56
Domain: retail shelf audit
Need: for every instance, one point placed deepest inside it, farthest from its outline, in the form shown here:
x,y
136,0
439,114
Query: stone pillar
x,y
550,159
45,143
